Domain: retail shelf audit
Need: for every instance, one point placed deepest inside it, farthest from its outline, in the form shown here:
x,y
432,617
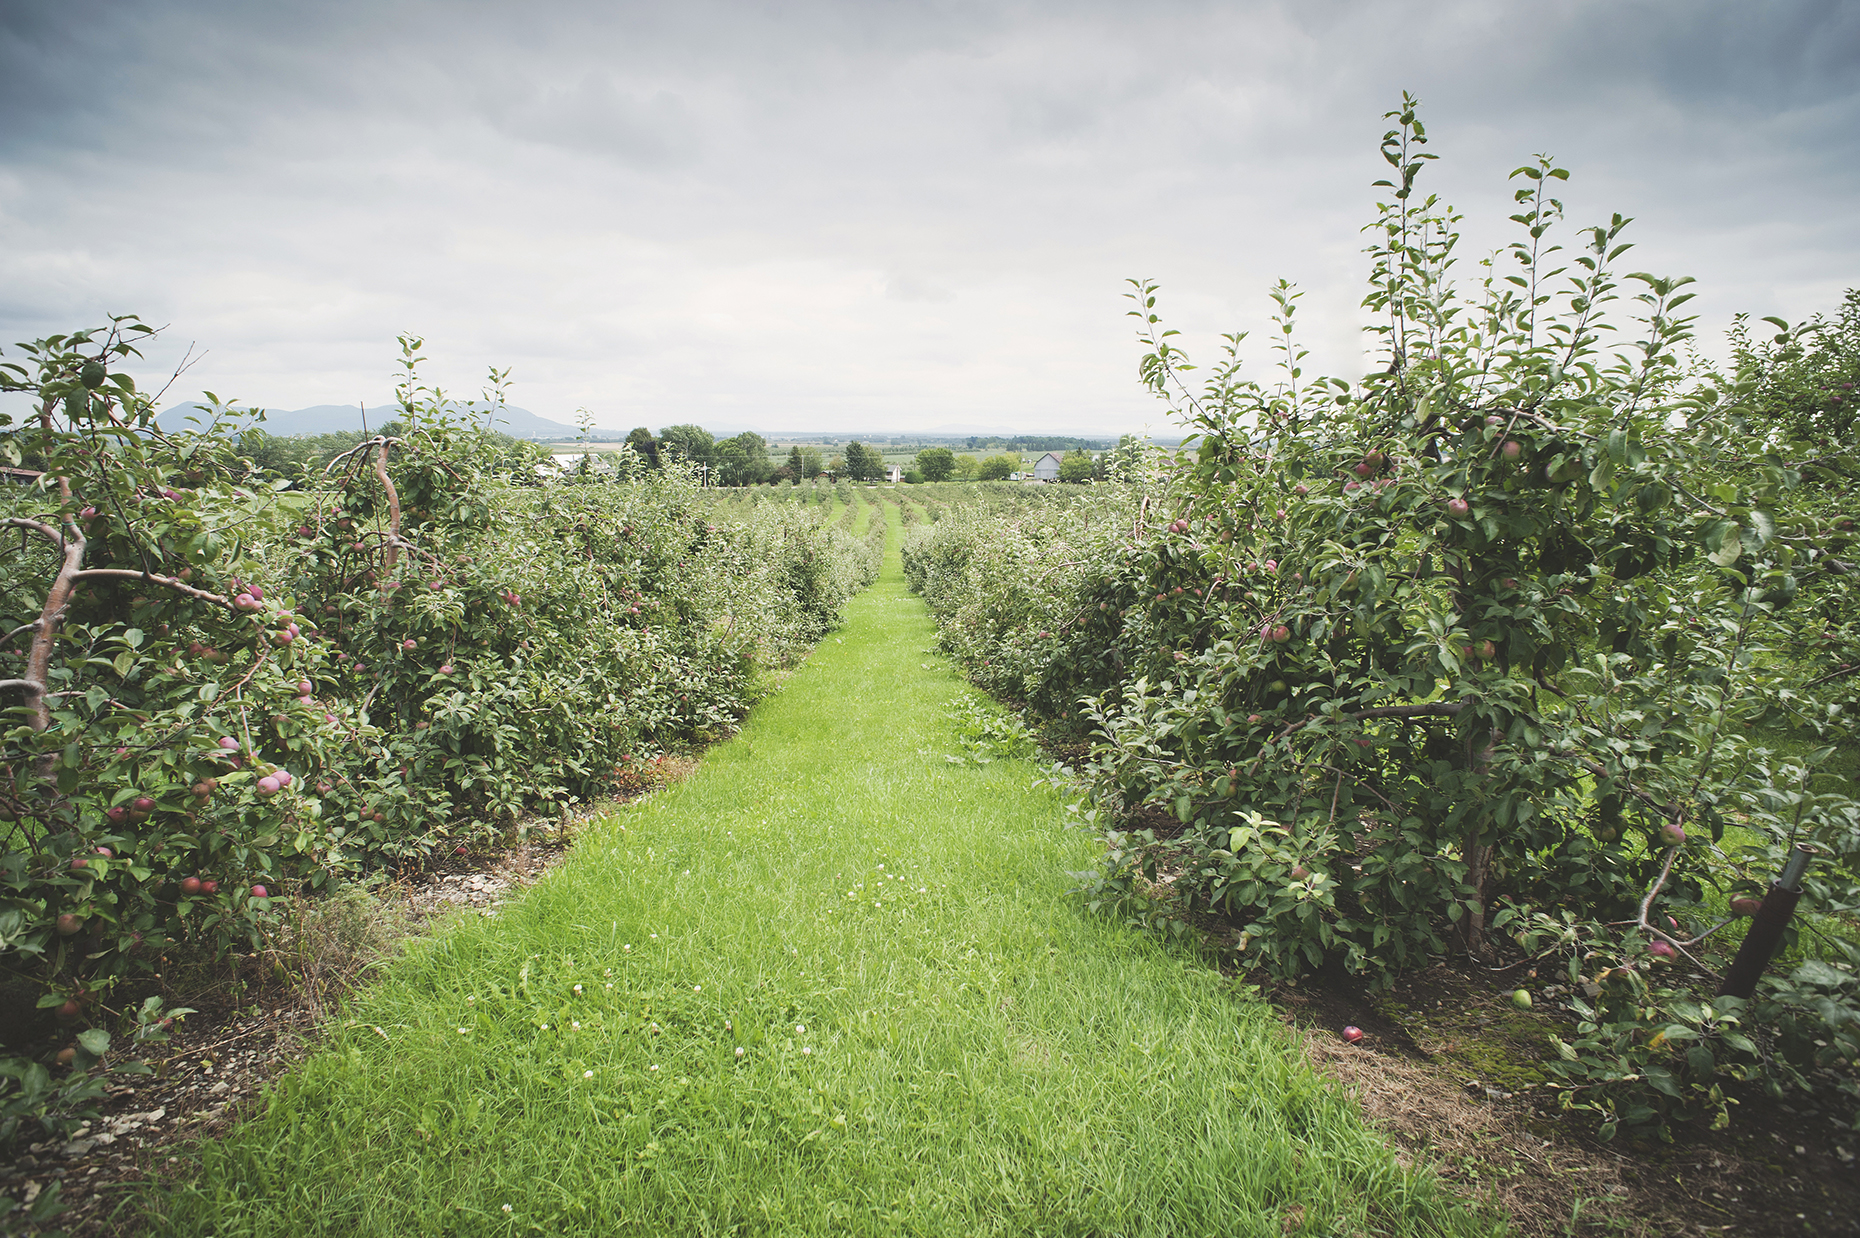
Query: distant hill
x,y
332,418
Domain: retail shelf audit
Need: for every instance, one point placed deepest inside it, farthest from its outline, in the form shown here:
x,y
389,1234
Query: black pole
x,y
1766,929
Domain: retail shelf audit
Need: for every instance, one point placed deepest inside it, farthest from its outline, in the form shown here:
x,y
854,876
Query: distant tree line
x,y
742,460
1040,445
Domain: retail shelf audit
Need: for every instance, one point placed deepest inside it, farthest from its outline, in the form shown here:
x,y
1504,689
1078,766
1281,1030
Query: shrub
x,y
228,692
1498,622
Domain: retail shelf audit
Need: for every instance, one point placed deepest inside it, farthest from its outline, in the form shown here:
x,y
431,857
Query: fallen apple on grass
x,y
1352,1034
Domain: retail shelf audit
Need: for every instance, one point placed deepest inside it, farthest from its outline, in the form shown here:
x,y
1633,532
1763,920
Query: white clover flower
x,y
587,1074
800,1029
809,1049
697,988
470,1000
652,1068
610,984
545,1027
626,947
739,1051
655,937
506,1207
577,988
576,1026
464,1031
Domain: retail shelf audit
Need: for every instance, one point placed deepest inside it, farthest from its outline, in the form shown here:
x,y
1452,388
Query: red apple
x,y
190,885
209,886
1662,950
1352,1035
1745,906
68,925
1281,634
1488,650
67,1056
1673,834
1510,449
70,1010
1458,507
259,892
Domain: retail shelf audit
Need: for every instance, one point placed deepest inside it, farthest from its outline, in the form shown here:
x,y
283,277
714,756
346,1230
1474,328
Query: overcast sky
x,y
861,216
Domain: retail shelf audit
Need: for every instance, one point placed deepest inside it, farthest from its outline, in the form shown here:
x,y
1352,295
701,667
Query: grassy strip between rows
x,y
831,984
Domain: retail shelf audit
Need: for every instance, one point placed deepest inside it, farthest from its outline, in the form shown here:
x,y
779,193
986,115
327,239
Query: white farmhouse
x,y
1046,468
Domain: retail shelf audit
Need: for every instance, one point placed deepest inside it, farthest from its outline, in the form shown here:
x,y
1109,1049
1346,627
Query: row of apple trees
x,y
218,690
1533,643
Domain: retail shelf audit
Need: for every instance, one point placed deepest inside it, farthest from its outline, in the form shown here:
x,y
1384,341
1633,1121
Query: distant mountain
x,y
333,418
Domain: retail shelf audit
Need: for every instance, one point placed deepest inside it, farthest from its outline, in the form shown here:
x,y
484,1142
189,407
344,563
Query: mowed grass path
x,y
832,984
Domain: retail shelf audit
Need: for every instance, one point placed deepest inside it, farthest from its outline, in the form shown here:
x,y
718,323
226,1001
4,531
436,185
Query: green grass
x,y
935,1040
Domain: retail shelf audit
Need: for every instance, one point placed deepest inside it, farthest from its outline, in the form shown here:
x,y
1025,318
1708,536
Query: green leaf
x,y
1617,445
1764,527
95,1040
1816,972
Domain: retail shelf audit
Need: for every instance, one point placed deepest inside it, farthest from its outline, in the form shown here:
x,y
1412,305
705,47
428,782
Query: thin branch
x,y
169,582
1832,675
44,530
393,496
24,627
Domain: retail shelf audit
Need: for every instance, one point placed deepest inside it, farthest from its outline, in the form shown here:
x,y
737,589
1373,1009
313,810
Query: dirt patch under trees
x,y
1452,1073
256,1016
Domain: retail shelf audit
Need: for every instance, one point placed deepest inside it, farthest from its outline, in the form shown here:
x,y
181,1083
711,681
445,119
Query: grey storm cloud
x,y
860,216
